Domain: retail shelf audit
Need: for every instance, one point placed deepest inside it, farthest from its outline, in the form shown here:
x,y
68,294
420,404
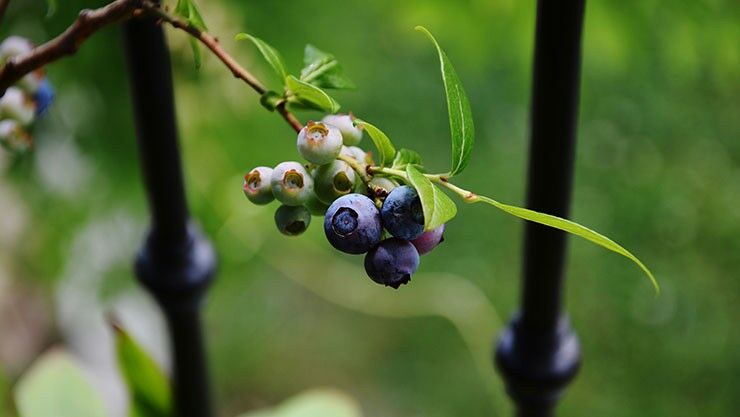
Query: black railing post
x,y
176,263
538,353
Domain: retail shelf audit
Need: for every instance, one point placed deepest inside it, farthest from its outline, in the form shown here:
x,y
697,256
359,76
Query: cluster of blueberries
x,y
24,102
381,218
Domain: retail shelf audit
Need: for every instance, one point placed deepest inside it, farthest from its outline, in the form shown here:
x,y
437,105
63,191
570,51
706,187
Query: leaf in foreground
x,y
310,95
570,227
438,207
385,147
56,386
271,55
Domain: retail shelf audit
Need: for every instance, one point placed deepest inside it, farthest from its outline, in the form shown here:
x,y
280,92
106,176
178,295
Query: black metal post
x,y
538,354
176,262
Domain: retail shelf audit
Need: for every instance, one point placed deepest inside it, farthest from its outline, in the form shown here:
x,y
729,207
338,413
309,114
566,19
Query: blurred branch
x,y
67,43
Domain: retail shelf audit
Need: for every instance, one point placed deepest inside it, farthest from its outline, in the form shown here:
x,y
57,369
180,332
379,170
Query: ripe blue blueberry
x,y
392,262
319,143
351,134
333,180
292,220
352,224
291,184
17,105
402,213
44,96
429,240
257,185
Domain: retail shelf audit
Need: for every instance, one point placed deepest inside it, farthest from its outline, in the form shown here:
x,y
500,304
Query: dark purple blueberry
x,y
429,240
392,262
352,224
43,97
402,213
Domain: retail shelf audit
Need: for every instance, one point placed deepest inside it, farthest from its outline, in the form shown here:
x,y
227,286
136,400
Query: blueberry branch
x,y
441,180
360,168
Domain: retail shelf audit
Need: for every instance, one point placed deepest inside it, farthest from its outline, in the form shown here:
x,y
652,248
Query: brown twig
x,y
89,21
214,46
67,43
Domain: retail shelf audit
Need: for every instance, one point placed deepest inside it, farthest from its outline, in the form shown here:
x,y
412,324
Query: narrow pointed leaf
x,y
570,227
51,7
148,386
311,95
386,150
458,108
438,207
323,70
406,157
57,386
189,11
271,55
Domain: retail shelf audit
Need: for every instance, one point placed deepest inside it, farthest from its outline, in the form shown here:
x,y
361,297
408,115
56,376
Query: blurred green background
x,y
658,170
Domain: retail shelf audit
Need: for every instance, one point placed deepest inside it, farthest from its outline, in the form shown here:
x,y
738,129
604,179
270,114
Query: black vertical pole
x,y
176,262
538,353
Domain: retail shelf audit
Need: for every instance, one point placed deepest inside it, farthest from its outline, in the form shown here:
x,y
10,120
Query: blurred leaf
x,y
323,70
381,141
313,403
189,11
56,386
310,95
271,55
570,227
51,7
148,386
406,157
438,207
458,108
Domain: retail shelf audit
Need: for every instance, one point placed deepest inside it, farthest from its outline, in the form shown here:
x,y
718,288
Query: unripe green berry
x,y
382,186
319,143
333,180
355,153
316,206
17,105
291,184
257,185
13,46
351,134
292,220
13,136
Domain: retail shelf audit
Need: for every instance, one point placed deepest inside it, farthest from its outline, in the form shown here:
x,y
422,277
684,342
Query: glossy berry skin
x,y
381,186
292,220
356,153
352,224
257,185
291,184
429,240
17,105
333,180
44,96
402,213
319,143
392,262
351,134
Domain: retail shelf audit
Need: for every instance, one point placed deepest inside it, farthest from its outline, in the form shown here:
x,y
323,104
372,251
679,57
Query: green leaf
x,y
406,157
148,386
314,403
189,11
384,145
323,70
570,227
310,95
56,386
51,7
438,207
458,108
271,55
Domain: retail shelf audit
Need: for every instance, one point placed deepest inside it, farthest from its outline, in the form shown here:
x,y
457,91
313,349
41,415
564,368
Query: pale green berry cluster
x,y
24,102
308,189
